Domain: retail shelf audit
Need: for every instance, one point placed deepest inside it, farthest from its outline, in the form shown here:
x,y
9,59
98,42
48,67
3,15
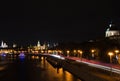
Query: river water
x,y
31,69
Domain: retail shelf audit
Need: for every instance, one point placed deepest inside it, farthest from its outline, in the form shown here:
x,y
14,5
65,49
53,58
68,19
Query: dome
x,y
113,27
112,30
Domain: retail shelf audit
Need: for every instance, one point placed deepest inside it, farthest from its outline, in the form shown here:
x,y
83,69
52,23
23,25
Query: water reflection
x,y
3,62
34,68
35,57
57,74
22,59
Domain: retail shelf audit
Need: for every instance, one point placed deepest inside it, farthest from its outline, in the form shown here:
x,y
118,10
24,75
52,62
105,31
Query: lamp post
x,y
93,55
110,54
68,53
74,52
80,52
116,51
60,52
116,54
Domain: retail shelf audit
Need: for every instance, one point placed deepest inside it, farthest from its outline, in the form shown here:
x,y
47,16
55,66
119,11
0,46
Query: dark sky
x,y
56,20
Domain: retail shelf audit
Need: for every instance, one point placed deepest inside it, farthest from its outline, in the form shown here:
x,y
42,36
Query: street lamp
x,y
68,53
110,54
80,52
116,51
74,52
116,54
93,53
60,52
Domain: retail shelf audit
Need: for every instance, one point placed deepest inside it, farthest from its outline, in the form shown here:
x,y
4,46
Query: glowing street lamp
x,y
74,52
60,51
80,52
110,54
93,53
42,51
49,51
68,53
116,51
92,50
116,54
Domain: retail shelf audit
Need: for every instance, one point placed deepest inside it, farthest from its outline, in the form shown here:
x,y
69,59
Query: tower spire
x,y
111,24
38,44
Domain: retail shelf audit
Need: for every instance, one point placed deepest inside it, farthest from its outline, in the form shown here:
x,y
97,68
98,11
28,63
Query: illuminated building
x,y
3,45
39,46
112,31
14,45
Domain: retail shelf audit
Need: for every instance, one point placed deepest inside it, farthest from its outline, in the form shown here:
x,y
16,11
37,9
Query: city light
x,y
116,51
80,52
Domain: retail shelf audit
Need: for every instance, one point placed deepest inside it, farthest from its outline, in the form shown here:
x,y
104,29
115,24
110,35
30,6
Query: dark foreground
x,y
31,69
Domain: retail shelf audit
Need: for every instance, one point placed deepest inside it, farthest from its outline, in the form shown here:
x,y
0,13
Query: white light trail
x,y
58,56
108,68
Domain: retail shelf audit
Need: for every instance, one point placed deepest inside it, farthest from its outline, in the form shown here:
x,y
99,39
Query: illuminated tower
x,y
38,44
3,45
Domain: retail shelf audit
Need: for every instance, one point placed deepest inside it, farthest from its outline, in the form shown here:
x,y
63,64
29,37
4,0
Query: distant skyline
x,y
56,20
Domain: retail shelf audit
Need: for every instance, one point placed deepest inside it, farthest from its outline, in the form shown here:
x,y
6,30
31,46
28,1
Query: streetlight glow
x,y
92,50
80,52
110,53
116,51
68,53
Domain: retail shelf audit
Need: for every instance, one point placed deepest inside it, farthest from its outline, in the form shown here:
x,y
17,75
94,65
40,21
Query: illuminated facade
x,y
39,46
14,45
112,31
3,45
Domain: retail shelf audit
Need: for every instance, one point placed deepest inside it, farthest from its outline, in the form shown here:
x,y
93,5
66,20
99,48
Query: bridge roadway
x,y
90,70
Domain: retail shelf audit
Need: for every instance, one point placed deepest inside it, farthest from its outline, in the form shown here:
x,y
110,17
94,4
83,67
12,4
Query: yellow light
x,y
116,51
49,51
60,51
74,51
42,51
110,53
6,51
33,57
37,57
92,50
80,51
68,51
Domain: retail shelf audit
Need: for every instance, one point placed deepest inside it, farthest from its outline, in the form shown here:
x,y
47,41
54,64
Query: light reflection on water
x,y
34,69
58,74
2,68
35,57
3,63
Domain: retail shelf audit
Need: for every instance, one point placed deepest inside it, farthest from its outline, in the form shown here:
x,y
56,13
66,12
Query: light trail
x,y
58,56
108,68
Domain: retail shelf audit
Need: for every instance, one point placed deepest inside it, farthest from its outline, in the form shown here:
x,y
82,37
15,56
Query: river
x,y
31,69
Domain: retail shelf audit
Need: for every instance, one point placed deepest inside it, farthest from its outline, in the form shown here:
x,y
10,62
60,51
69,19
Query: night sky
x,y
27,21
